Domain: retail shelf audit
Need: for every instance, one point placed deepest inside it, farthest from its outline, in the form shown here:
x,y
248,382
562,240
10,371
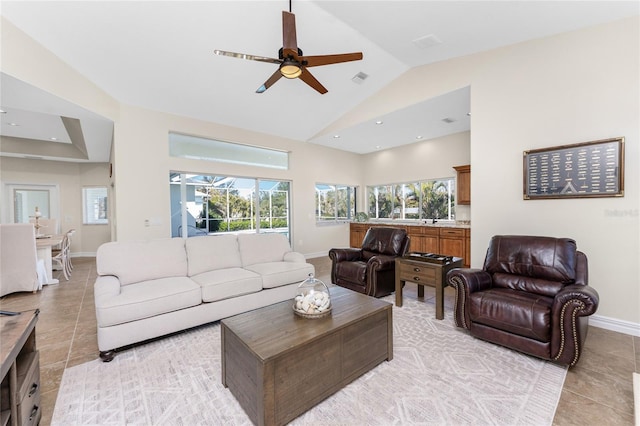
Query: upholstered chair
x,y
531,295
20,269
371,269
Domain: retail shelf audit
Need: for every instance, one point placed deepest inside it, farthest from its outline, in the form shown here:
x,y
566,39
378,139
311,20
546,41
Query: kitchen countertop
x,y
462,224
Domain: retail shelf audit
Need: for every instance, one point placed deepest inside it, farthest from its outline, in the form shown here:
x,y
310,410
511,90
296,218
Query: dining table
x,y
44,247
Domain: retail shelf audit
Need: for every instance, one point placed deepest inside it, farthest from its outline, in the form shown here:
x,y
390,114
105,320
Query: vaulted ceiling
x,y
159,55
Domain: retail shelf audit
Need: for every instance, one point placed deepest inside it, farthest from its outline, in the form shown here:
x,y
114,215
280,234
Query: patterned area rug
x,y
438,375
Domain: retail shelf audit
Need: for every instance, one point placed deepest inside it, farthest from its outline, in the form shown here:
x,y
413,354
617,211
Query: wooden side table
x,y
424,273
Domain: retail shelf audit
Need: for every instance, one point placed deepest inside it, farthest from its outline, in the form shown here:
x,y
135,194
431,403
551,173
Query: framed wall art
x,y
588,169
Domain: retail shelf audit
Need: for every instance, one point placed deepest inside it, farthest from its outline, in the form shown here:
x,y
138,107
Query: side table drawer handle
x,y
416,278
34,388
416,269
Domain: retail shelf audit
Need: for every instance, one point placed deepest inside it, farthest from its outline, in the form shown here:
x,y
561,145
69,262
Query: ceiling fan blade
x,y
289,40
316,61
311,81
270,81
245,56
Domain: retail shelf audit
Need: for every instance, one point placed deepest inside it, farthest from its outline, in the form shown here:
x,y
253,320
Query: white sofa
x,y
147,289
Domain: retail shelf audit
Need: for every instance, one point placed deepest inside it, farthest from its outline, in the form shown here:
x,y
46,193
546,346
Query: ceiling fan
x,y
291,60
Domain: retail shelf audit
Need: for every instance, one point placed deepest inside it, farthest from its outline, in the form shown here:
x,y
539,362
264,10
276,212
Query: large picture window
x,y
335,202
429,199
202,205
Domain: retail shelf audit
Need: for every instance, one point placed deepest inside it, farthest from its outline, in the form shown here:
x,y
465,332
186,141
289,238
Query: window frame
x,y
102,210
351,202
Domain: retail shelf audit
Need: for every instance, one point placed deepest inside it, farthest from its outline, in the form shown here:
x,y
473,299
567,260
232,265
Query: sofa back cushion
x,y
136,261
212,252
541,265
261,248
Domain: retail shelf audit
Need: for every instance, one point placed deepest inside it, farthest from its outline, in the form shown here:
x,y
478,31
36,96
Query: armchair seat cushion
x,y
514,311
355,272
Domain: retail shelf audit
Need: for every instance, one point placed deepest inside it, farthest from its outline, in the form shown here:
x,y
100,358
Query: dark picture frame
x,y
583,170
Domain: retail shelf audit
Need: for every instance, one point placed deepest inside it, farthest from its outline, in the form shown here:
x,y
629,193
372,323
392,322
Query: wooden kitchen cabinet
x,y
356,233
463,184
467,248
452,242
424,239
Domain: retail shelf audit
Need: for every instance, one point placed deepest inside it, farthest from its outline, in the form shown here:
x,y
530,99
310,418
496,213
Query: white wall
x,y
142,165
70,178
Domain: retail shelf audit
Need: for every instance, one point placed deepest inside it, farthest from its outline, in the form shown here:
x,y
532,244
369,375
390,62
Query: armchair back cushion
x,y
384,240
540,265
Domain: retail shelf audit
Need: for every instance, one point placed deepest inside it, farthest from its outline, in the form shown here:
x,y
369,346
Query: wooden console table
x,y
424,273
20,371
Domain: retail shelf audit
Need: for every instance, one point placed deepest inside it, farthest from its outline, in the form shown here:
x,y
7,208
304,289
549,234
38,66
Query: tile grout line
x,y
75,328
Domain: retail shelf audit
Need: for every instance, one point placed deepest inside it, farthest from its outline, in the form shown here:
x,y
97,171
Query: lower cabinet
x,y
448,241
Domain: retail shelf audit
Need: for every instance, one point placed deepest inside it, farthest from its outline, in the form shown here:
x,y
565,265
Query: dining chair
x,y
20,269
61,257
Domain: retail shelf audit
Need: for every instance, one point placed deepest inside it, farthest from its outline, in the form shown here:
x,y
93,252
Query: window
x,y
430,199
335,202
227,204
94,205
193,147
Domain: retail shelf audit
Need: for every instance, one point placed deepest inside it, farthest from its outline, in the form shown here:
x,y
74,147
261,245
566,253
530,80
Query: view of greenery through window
x,y
218,204
431,199
335,202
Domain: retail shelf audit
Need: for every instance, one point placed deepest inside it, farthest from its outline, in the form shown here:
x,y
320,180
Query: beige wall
x,y
70,178
570,88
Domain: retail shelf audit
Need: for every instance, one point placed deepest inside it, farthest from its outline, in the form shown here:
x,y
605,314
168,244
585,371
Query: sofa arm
x,y
345,254
466,281
105,288
294,256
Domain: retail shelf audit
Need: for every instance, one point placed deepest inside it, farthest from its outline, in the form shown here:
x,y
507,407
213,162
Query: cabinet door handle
x,y
34,388
416,278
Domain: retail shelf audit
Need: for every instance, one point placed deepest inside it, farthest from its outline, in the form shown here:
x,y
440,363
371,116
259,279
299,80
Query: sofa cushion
x,y
225,283
147,299
212,252
276,274
262,248
135,261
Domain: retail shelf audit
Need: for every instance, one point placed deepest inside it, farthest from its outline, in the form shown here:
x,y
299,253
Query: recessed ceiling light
x,y
13,124
53,138
336,136
469,114
379,122
419,137
448,120
2,111
378,147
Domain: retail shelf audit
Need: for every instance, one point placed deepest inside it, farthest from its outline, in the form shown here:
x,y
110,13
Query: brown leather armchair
x,y
371,269
531,295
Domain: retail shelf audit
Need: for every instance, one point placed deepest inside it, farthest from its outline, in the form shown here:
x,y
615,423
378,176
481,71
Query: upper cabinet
x,y
464,184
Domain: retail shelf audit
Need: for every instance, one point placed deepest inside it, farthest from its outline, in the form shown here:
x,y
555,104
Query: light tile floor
x,y
597,391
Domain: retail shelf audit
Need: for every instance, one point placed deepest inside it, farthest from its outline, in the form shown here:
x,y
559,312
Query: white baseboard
x,y
315,255
614,324
83,254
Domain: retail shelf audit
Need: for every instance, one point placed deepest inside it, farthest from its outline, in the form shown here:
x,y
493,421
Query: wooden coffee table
x,y
278,365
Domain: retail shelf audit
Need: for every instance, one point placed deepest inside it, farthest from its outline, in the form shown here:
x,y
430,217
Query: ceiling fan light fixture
x,y
290,69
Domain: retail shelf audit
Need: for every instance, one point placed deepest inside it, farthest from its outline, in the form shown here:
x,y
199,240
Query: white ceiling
x,y
159,55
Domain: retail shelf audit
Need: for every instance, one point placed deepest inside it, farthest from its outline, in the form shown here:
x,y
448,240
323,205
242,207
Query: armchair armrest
x,y
466,281
381,262
571,303
345,254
